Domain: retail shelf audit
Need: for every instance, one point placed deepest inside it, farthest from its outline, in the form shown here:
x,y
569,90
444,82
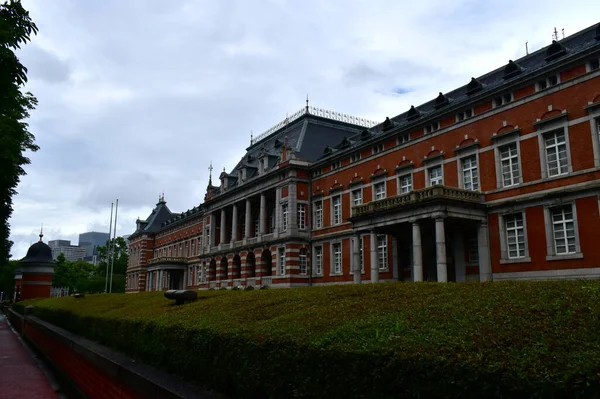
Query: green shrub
x,y
416,340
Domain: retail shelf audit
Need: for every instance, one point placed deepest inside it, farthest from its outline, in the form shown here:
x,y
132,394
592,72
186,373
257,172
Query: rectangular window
x,y
547,82
337,209
403,138
303,263
318,214
432,128
380,191
515,235
301,216
256,227
473,250
382,255
284,211
503,99
281,261
355,157
317,172
509,162
435,175
594,64
337,258
357,197
556,153
470,175
461,116
335,165
377,148
360,247
405,184
318,260
563,229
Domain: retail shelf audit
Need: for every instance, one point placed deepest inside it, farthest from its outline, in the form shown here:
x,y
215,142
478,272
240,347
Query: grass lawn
x,y
506,339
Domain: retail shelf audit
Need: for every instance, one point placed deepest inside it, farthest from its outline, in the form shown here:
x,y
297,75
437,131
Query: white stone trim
x,y
460,156
560,274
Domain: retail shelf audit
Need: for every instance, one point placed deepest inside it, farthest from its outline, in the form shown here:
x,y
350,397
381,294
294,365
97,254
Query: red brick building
x,y
498,179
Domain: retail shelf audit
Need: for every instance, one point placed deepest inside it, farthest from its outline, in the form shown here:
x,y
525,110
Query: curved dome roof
x,y
39,252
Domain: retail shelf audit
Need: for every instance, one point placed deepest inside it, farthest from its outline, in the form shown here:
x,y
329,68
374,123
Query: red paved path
x,y
19,375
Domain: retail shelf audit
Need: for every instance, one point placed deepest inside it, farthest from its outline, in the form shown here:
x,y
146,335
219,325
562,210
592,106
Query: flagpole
x,y
112,263
108,247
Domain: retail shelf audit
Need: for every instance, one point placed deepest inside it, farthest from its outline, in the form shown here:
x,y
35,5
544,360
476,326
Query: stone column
x,y
213,232
440,249
395,266
234,223
483,250
417,252
460,264
262,221
223,226
374,265
293,209
278,216
248,218
356,264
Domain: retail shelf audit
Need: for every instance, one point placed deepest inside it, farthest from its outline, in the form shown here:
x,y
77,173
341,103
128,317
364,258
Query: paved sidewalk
x,y
20,377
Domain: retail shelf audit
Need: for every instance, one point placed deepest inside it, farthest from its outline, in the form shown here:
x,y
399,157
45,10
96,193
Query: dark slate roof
x,y
526,67
159,214
39,252
307,136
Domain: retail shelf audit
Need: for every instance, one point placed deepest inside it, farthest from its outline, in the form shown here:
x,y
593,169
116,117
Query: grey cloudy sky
x,y
137,96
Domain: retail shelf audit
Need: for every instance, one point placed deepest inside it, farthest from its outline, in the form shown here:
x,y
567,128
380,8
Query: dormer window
x,y
432,128
466,114
378,148
503,99
547,82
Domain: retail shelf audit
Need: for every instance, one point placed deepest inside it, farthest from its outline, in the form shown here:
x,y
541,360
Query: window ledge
x,y
577,255
525,259
336,274
384,270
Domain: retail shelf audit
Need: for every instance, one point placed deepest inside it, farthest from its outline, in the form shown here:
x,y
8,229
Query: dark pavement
x,y
20,377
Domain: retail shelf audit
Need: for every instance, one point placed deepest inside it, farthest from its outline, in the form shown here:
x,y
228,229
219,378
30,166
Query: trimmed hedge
x,y
470,340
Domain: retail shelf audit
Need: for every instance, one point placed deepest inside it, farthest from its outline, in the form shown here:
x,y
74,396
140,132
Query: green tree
x,y
121,258
78,276
16,28
7,277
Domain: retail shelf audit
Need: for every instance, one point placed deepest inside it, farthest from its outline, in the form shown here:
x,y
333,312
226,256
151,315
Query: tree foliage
x,y
84,277
7,277
16,29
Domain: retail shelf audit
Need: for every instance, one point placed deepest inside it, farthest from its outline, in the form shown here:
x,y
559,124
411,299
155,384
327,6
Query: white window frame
x,y
551,233
281,261
405,186
472,172
403,138
336,165
336,209
505,98
382,252
301,216
433,127
355,157
589,66
318,206
555,149
505,256
303,261
499,172
595,127
336,258
356,200
285,213
377,148
432,167
464,115
547,82
383,194
318,251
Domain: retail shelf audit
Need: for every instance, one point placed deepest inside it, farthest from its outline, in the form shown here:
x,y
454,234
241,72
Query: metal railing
x,y
251,282
413,197
167,259
267,280
324,113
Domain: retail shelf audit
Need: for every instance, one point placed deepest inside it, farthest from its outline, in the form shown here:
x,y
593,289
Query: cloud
x,y
137,97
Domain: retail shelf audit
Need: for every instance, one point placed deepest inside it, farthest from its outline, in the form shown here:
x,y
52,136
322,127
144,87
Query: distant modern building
x,y
91,241
71,252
